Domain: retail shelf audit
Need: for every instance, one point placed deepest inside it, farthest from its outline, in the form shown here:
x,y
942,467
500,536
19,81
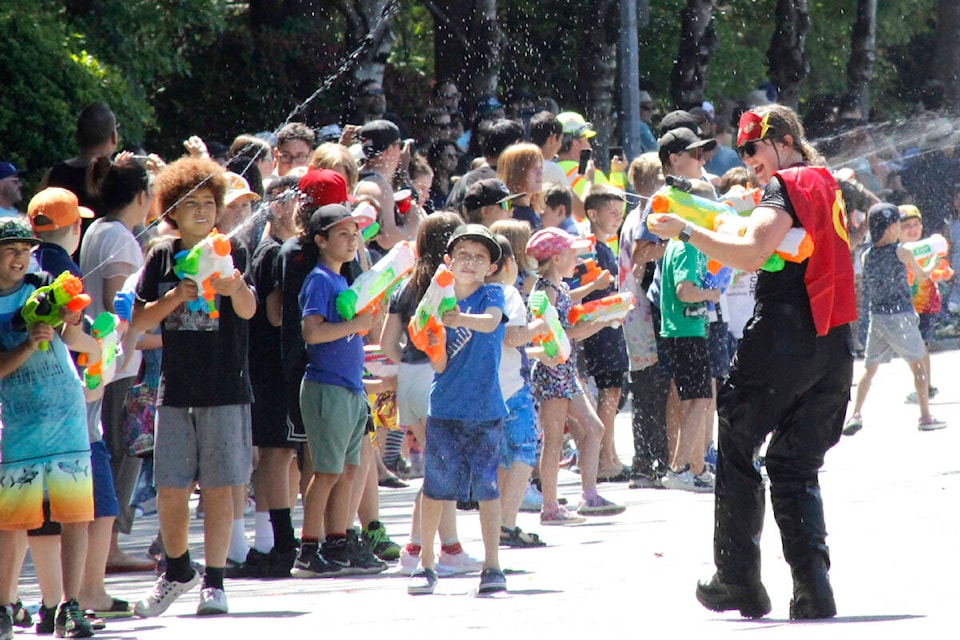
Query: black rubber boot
x,y
803,532
738,523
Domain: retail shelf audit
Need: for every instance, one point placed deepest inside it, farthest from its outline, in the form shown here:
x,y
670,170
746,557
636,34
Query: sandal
x,y
519,539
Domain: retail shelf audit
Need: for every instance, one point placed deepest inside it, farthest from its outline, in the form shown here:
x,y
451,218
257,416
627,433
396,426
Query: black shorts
x,y
928,322
608,379
690,363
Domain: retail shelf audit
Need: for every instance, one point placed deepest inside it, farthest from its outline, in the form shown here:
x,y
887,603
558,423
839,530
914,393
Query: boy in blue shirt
x,y
45,442
332,402
466,413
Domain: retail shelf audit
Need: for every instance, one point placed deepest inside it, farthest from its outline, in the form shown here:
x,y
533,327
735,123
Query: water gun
x,y
796,246
702,212
607,309
102,371
209,258
586,272
928,249
44,304
373,285
438,299
555,342
742,200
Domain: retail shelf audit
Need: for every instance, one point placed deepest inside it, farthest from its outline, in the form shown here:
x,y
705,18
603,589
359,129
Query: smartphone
x,y
616,152
585,155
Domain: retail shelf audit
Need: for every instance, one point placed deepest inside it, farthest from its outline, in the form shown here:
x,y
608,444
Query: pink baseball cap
x,y
546,243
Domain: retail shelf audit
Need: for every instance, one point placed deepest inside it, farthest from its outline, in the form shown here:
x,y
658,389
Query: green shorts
x,y
335,420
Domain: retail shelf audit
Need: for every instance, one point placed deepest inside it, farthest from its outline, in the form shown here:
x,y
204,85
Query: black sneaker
x,y
70,622
6,622
279,563
314,566
361,557
45,623
254,566
21,617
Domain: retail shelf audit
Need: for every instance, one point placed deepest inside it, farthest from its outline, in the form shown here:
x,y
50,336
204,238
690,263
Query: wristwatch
x,y
684,236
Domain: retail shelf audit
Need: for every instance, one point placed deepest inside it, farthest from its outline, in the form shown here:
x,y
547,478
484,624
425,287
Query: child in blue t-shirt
x,y
465,418
332,399
45,443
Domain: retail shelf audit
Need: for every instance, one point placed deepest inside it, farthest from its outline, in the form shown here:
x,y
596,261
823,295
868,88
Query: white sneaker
x,y
930,424
686,481
213,602
163,594
408,563
532,500
450,564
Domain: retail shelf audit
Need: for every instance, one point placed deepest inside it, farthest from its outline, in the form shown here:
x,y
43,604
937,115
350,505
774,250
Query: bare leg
x,y
587,434
673,425
921,382
12,545
73,557
93,592
863,387
490,531
365,498
217,522
430,511
173,511
690,443
513,484
553,416
607,402
45,553
315,503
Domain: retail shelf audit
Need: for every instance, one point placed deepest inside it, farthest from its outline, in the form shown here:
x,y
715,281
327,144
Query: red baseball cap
x,y
319,187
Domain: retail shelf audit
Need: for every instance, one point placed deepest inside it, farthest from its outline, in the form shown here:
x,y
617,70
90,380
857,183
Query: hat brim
x,y
30,241
512,196
707,145
240,197
492,246
86,213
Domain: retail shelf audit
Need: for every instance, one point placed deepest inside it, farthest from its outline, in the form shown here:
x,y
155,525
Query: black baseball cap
x,y
484,193
679,119
683,139
377,135
477,233
326,217
880,217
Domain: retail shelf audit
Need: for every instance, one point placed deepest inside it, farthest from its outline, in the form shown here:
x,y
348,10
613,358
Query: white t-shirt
x,y
553,173
109,250
510,359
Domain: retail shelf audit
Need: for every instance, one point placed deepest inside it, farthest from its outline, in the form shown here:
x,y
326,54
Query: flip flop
x,y
519,539
118,609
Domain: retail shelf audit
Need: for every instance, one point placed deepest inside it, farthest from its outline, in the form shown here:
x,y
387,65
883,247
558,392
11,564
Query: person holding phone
x,y
575,158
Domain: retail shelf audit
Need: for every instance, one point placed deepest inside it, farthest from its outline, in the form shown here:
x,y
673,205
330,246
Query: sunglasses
x,y
507,205
748,149
696,153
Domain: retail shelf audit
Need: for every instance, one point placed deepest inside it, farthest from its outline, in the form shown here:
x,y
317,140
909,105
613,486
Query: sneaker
x,y
930,424
710,457
422,583
6,622
451,564
645,482
21,617
375,536
408,562
532,500
599,506
213,602
686,481
70,623
559,516
492,581
234,569
314,566
854,423
399,466
45,624
362,558
912,396
279,563
163,594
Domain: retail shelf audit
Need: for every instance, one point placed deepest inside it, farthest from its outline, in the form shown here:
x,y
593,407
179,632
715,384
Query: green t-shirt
x,y
681,261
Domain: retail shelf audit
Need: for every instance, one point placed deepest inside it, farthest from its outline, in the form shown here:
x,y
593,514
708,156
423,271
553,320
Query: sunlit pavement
x,y
891,493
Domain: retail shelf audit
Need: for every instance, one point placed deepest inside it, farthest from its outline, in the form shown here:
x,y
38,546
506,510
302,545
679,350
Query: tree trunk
x,y
467,45
862,54
597,72
948,49
787,56
367,17
698,41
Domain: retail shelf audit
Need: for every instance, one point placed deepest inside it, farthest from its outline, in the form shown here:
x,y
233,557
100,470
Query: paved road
x,y
891,498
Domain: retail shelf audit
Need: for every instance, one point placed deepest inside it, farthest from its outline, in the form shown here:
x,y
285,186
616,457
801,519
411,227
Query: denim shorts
x,y
461,459
519,442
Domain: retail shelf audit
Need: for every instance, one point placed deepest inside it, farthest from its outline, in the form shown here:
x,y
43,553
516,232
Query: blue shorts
x,y
105,504
718,350
519,441
461,459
